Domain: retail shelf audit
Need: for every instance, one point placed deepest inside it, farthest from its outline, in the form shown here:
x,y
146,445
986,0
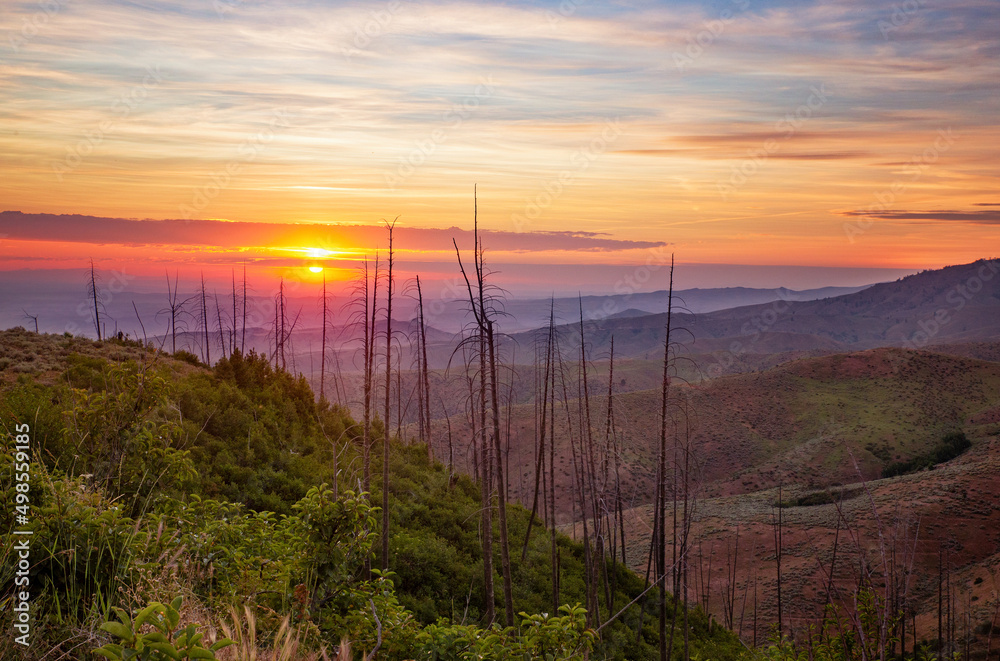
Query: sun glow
x,y
316,269
316,253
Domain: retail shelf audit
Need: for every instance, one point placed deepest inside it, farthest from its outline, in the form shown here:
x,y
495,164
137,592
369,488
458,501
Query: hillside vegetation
x,y
812,421
153,479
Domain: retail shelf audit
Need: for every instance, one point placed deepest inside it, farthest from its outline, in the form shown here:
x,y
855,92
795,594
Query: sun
x,y
316,269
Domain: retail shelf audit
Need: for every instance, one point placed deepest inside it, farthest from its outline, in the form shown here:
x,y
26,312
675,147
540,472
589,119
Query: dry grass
x,y
955,505
287,646
46,356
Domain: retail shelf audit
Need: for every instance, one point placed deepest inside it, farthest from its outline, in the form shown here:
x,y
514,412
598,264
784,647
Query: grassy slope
x,y
803,425
806,421
258,439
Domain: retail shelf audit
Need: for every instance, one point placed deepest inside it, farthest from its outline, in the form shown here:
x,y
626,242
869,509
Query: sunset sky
x,y
741,132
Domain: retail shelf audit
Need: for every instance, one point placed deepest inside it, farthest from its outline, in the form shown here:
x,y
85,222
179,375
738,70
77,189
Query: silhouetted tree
x,y
33,317
94,291
483,311
175,310
204,320
385,419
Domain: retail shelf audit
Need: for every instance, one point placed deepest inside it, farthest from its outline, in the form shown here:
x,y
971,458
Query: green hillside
x,y
154,478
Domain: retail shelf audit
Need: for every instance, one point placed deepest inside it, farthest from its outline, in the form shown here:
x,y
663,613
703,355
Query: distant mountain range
x,y
954,304
727,330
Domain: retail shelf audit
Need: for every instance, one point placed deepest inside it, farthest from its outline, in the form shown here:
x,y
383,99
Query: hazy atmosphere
x,y
445,331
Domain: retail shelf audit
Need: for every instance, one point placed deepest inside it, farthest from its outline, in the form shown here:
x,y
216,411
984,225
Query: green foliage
x,y
951,446
166,642
121,519
552,638
39,406
558,637
88,544
339,533
117,438
229,550
864,635
259,439
188,358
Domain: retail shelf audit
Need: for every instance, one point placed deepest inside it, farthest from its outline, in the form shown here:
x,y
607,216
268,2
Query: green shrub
x,y
166,642
188,358
951,446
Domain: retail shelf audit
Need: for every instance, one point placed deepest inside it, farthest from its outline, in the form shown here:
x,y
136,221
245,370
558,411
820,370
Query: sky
x,y
853,139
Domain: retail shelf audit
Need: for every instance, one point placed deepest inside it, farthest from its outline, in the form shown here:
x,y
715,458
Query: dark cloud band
x,y
237,234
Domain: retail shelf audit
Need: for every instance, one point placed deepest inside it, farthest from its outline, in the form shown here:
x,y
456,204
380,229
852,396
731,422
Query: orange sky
x,y
827,134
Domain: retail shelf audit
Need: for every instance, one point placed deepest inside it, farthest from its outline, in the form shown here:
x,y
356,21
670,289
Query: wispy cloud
x,y
991,217
368,86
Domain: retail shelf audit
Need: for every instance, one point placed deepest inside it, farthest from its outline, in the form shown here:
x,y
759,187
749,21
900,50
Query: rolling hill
x,y
813,422
953,304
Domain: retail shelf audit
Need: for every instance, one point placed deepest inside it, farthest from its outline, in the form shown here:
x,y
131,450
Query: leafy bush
x,y
88,546
118,438
826,497
951,446
122,520
166,642
188,358
553,638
